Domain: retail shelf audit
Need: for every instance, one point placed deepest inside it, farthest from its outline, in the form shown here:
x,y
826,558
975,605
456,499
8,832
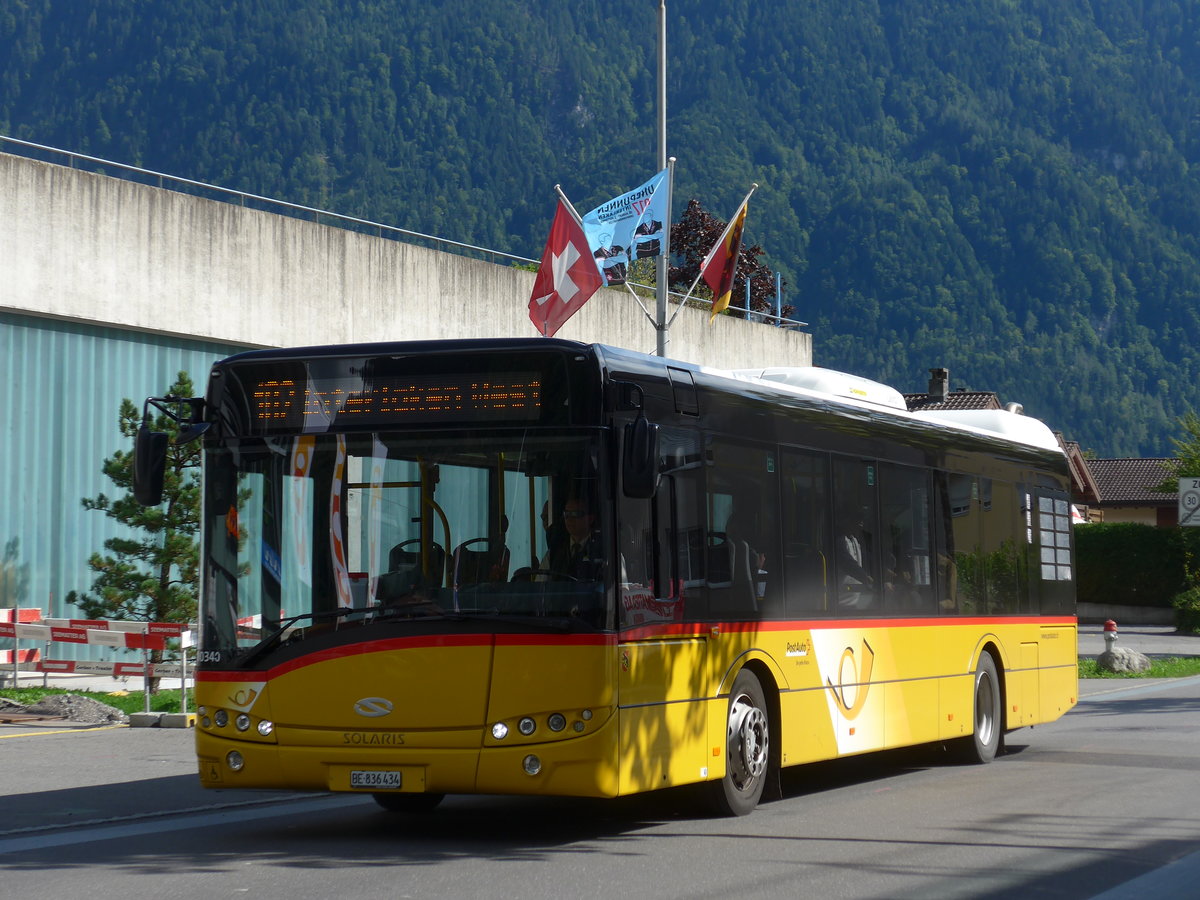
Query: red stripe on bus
x,y
695,629
698,629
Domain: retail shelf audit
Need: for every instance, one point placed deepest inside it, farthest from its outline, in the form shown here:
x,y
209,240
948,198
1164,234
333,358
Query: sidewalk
x,y
1155,641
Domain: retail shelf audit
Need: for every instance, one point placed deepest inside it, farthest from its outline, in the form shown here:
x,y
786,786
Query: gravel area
x,y
72,707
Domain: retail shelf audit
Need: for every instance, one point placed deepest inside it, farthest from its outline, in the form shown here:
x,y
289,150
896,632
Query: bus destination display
x,y
317,403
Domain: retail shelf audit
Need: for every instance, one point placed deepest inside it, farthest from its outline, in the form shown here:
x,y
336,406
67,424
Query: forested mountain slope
x,y
1003,187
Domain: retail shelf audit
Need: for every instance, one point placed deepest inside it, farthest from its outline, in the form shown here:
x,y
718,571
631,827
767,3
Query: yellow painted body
x,y
639,714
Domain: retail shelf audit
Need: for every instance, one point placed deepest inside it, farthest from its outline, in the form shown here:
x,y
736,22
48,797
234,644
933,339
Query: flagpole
x,y
578,221
567,203
661,325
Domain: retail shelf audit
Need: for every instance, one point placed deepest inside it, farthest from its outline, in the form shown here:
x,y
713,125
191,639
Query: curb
x,y
162,720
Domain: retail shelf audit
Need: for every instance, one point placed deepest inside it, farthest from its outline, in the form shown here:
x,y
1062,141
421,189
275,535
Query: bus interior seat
x,y
745,573
719,561
480,566
406,557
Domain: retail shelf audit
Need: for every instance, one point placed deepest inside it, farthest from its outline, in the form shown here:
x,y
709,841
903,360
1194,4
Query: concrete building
x,y
110,284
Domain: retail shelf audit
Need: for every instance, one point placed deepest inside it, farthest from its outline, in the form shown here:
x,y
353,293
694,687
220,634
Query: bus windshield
x,y
362,529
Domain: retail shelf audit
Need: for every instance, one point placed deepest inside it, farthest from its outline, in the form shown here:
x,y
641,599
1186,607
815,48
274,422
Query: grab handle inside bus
x,y
639,462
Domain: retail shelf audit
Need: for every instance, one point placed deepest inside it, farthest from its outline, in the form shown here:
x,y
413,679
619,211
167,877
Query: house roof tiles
x,y
1132,480
959,399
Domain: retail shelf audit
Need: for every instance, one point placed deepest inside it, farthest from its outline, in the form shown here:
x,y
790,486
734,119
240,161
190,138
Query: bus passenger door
x,y
661,662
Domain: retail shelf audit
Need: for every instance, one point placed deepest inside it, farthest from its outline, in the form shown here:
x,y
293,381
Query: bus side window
x,y
907,566
856,534
1003,528
807,540
744,561
1052,531
946,570
965,527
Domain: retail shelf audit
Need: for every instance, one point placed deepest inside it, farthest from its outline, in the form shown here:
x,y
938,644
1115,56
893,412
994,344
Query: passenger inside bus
x,y
856,583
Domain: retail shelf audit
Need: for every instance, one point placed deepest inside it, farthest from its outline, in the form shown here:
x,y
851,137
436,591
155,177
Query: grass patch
x,y
1174,667
127,701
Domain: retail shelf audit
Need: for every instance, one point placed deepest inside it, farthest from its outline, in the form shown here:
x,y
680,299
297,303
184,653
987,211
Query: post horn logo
x,y
854,681
373,707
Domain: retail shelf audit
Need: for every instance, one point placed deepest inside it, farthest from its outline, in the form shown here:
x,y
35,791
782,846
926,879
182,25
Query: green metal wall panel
x,y
61,385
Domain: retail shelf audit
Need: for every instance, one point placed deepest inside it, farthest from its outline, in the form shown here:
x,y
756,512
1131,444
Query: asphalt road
x,y
1101,801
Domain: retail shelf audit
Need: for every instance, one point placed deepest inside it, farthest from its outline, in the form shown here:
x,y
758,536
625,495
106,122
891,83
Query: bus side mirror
x,y
639,459
149,465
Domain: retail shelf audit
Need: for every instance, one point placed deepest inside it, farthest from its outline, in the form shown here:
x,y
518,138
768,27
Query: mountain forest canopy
x,y
1004,188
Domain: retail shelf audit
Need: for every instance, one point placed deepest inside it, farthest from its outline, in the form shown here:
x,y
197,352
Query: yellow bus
x,y
545,567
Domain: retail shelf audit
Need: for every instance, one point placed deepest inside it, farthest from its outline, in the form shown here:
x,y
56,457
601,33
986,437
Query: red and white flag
x,y
567,277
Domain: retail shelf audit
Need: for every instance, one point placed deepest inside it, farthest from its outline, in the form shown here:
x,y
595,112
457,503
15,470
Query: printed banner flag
x,y
566,278
720,265
628,227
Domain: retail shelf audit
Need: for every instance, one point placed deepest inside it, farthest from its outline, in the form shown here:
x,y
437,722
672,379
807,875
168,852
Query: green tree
x,y
1187,454
151,575
1187,465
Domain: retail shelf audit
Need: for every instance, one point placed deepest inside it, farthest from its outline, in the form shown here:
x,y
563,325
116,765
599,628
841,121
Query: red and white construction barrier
x,y
73,634
12,616
20,614
28,625
115,669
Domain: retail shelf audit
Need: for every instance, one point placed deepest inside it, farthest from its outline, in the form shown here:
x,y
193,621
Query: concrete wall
x,y
93,248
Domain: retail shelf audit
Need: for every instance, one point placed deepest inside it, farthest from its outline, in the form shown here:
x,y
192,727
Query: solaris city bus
x,y
778,567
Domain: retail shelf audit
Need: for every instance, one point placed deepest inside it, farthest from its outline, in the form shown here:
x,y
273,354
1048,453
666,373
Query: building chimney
x,y
939,384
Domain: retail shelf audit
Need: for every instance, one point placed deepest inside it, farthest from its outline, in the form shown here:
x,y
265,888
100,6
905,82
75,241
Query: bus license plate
x,y
373,779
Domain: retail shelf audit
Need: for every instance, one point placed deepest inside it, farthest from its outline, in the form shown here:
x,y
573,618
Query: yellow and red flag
x,y
720,265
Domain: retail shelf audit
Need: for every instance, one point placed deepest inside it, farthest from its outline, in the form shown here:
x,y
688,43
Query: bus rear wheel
x,y
747,749
984,742
408,803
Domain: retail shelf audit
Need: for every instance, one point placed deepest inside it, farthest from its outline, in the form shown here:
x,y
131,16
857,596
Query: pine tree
x,y
152,575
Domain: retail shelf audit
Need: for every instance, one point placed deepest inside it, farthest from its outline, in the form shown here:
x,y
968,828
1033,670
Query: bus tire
x,y
984,742
747,749
408,803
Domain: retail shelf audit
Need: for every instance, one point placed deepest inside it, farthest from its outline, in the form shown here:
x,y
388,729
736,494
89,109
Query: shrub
x,y
1187,610
1130,564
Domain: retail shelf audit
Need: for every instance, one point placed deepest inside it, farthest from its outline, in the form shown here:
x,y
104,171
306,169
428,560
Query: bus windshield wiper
x,y
272,640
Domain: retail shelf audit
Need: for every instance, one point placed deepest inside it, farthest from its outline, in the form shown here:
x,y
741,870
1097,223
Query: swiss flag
x,y
567,277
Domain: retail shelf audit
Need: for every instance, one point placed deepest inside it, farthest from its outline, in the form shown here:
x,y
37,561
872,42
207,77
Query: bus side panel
x,y
956,706
1022,687
1059,681
910,715
664,718
807,727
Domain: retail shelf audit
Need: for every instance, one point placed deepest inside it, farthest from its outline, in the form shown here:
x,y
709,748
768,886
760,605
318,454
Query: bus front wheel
x,y
747,749
984,742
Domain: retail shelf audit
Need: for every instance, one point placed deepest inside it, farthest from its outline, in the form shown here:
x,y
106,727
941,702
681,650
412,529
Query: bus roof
x,y
813,382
